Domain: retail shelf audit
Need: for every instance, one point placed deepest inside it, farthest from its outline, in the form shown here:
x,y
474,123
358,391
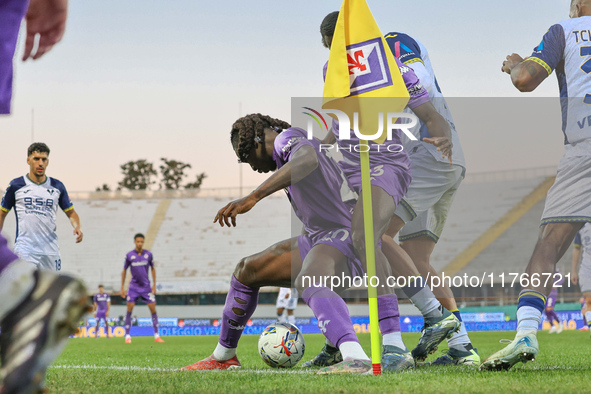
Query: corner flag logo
x,y
368,68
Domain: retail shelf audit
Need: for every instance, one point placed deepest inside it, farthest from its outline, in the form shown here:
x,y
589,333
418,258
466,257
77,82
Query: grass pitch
x,y
111,366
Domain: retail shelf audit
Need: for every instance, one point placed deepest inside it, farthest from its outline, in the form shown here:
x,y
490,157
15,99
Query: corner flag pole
x,y
370,257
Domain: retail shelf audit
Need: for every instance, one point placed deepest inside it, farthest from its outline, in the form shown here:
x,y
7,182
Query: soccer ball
x,y
281,345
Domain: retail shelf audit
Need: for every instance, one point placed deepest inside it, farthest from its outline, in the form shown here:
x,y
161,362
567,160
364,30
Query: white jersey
x,y
566,48
35,207
583,240
414,54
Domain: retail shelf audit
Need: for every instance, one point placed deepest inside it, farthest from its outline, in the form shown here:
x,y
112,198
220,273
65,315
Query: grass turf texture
x,y
109,365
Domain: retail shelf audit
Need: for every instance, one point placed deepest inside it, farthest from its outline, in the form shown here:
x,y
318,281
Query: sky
x,y
145,79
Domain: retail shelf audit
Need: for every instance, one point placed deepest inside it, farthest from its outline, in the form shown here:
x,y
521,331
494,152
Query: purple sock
x,y
107,328
98,321
240,304
551,315
127,323
388,314
155,323
6,255
332,314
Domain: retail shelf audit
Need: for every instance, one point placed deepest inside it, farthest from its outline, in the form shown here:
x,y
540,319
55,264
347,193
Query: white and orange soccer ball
x,y
281,345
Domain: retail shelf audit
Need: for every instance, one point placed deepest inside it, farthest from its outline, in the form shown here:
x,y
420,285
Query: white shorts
x,y
569,199
291,302
43,262
584,281
428,200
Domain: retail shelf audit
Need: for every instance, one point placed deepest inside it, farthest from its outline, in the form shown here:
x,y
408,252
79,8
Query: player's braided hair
x,y
327,27
250,129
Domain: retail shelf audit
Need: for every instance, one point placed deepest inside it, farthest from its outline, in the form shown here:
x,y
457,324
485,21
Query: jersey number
x,y
58,264
586,67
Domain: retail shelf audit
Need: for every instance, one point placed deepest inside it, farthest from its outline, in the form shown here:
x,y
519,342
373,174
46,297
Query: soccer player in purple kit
x,y
102,304
39,309
139,261
322,200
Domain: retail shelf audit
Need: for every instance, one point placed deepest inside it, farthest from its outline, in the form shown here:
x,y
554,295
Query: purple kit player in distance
x,y
551,303
63,298
102,304
139,261
322,199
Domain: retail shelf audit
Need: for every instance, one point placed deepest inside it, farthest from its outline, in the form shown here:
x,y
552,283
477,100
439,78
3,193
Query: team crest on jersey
x,y
50,191
368,67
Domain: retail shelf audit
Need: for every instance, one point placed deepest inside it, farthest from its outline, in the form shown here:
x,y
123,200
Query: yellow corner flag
x,y
363,78
360,66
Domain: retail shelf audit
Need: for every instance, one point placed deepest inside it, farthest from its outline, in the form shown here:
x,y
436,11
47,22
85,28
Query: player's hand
x,y
574,278
443,144
512,61
78,234
123,294
154,289
46,18
230,211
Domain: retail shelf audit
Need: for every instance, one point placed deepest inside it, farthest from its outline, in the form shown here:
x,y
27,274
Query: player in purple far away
x,y
139,261
102,304
551,303
32,302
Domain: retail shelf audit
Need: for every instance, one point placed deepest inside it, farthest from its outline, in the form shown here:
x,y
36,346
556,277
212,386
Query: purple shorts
x,y
101,315
339,239
393,179
11,15
144,294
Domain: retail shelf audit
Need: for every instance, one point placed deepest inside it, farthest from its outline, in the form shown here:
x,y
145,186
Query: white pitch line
x,y
152,369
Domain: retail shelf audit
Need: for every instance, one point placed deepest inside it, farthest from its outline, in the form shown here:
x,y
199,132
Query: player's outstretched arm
x,y
46,18
302,163
75,221
438,128
525,75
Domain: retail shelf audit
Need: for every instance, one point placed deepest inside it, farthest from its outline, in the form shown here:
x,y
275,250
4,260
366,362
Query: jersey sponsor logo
x,y
26,191
404,70
289,144
139,263
368,67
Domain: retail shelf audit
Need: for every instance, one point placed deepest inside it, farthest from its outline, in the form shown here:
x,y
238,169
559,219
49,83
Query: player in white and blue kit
x,y
420,217
35,198
566,48
287,299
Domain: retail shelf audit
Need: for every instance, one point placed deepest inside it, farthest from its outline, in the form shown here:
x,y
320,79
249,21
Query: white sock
x,y
16,282
528,319
222,353
291,319
588,317
281,318
352,350
425,301
459,339
156,335
128,336
393,339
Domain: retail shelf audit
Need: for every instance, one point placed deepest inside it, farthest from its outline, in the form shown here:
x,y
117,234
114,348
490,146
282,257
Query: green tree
x,y
197,183
173,173
137,175
103,188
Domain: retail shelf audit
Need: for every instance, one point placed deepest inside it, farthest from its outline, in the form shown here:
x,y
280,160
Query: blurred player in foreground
x,y
582,274
38,309
139,261
568,206
287,300
102,304
35,198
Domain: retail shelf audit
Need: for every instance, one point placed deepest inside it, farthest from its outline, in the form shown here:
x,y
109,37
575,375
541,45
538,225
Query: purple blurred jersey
x,y
11,15
6,255
139,264
102,301
323,200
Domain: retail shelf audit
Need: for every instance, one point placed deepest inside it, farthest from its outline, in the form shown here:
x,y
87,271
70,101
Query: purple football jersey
x,y
11,15
322,200
6,255
101,301
139,263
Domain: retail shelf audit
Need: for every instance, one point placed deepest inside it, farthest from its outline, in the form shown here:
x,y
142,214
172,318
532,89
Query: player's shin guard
x,y
333,320
240,304
529,310
155,324
127,323
389,318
